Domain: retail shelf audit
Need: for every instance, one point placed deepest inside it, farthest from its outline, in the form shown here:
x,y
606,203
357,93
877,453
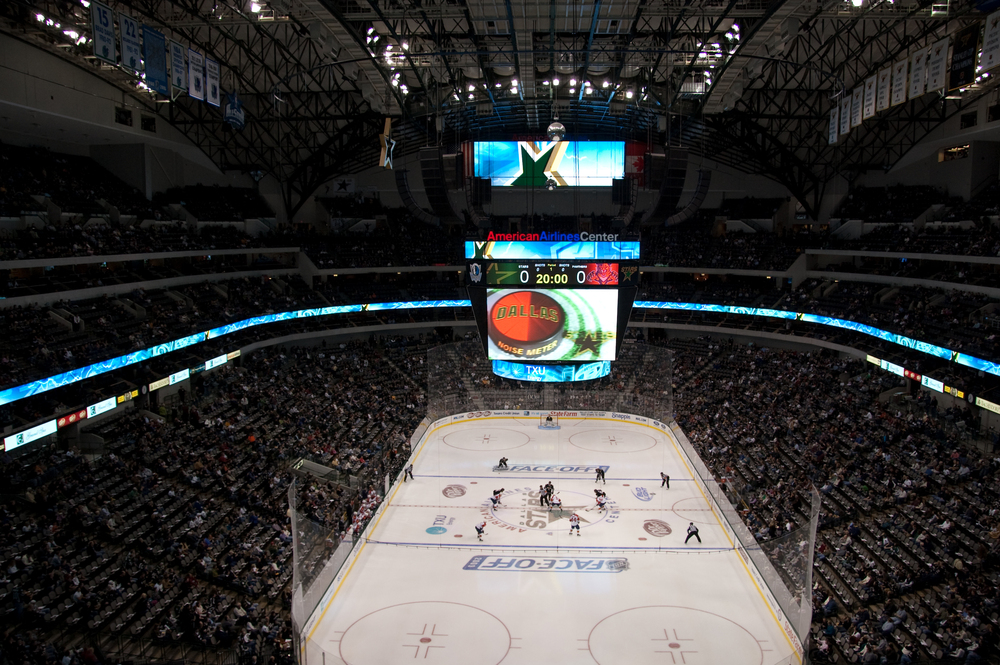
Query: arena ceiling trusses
x,y
745,82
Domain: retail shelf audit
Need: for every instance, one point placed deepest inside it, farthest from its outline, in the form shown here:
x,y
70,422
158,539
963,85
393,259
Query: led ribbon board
x,y
66,378
551,373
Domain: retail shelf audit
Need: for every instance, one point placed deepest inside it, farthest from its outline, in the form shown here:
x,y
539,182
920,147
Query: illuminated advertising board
x,y
554,246
551,373
933,384
71,418
101,407
215,362
182,375
988,405
29,435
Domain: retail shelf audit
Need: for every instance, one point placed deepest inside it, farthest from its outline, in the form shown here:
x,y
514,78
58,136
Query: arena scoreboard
x,y
552,299
552,273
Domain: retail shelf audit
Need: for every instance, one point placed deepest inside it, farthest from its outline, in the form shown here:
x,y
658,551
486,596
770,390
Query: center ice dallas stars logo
x,y
523,508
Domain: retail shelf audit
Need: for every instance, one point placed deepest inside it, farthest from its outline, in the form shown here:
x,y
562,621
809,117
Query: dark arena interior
x,y
259,259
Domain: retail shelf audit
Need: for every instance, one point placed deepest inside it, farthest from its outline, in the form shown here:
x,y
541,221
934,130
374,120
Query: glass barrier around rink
x,y
461,380
318,552
783,565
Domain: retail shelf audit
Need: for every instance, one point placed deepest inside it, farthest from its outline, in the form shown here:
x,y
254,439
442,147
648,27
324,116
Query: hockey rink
x,y
626,590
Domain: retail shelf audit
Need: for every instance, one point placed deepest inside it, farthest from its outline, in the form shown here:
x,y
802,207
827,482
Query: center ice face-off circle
x,y
527,323
522,508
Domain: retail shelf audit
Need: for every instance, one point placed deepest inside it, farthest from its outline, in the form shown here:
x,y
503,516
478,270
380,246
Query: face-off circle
x,y
690,636
613,440
522,508
481,439
436,631
527,323
694,509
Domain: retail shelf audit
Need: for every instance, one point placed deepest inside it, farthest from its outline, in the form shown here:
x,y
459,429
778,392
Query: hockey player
x,y
600,476
503,463
599,492
481,529
555,502
601,502
574,523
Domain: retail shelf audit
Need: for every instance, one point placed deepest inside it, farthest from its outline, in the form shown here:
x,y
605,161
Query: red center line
x,y
513,507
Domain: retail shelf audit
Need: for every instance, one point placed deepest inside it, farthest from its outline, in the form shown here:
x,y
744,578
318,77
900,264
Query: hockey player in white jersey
x,y
574,523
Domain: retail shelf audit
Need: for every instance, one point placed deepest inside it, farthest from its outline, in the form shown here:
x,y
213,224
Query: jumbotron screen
x,y
552,325
533,163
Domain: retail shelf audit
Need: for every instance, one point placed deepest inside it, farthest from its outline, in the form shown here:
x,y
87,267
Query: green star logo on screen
x,y
532,168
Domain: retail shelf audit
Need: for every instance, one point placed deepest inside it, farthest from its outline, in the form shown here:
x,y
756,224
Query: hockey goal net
x,y
546,420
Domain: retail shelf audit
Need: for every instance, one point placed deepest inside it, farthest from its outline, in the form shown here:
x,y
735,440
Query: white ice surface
x,y
624,591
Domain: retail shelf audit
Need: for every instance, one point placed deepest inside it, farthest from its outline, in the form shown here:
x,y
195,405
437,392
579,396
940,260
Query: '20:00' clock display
x,y
554,274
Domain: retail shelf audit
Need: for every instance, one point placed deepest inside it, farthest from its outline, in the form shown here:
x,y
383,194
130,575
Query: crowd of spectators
x,y
76,184
180,532
897,204
70,334
216,204
909,528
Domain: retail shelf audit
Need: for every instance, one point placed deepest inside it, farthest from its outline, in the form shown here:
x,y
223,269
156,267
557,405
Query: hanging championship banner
x,y
963,58
845,115
178,71
884,87
991,43
857,100
936,68
131,49
154,47
899,82
233,113
196,75
834,124
103,28
212,94
870,83
918,71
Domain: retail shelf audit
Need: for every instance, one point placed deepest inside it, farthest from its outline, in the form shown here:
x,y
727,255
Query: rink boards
x,y
627,589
